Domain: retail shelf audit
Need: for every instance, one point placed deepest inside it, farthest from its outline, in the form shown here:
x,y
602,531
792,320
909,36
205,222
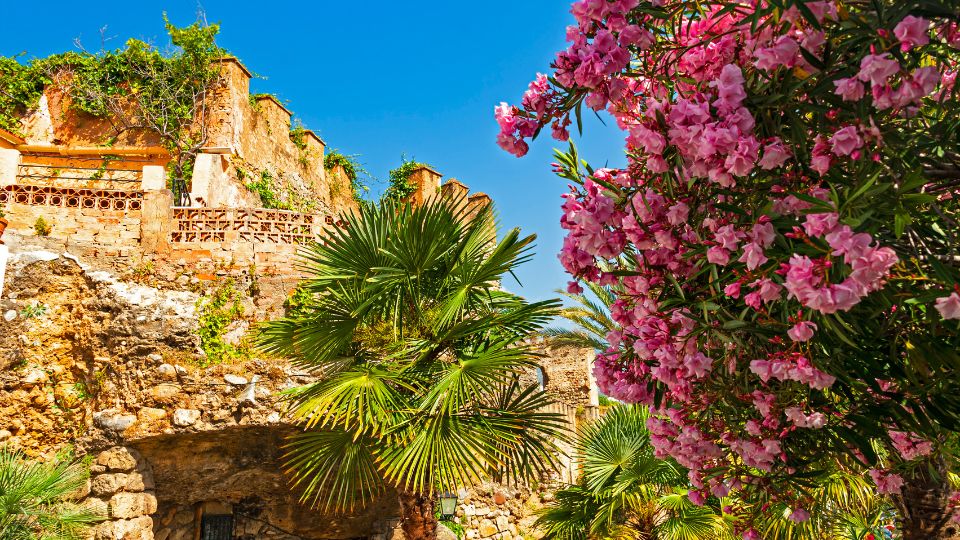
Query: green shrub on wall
x,y
352,168
215,312
138,87
400,187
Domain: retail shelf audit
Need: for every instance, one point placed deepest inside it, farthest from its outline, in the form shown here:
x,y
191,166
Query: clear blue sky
x,y
379,79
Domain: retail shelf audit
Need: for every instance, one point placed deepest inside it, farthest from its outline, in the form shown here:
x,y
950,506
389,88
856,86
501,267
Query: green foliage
x,y
299,136
21,87
454,527
36,499
41,227
419,349
400,187
138,86
34,311
101,170
352,168
264,187
299,304
625,491
606,401
215,313
254,288
590,316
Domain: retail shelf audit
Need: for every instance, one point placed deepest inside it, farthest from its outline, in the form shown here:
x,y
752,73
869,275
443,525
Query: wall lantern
x,y
448,505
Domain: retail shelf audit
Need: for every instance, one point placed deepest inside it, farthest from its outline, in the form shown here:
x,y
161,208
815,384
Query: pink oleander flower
x,y
718,255
813,421
574,287
877,68
849,89
912,32
802,331
888,483
908,445
636,36
820,224
799,515
783,53
732,290
820,155
949,306
774,155
845,141
753,256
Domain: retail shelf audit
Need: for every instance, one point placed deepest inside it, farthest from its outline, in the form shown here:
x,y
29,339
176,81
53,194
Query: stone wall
x,y
245,137
500,512
121,489
568,374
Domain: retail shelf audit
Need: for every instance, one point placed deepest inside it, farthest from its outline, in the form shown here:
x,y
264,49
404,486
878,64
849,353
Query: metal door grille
x,y
216,527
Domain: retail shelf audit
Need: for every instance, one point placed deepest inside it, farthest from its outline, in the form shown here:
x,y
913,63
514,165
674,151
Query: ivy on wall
x,y
352,168
216,311
400,187
138,87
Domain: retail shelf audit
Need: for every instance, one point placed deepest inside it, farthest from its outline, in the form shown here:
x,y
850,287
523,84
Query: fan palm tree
x,y
590,316
627,492
35,499
418,351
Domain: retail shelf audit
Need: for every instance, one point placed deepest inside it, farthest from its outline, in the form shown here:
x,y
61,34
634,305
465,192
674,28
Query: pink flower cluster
x,y
791,367
869,266
813,421
887,483
909,445
707,197
880,72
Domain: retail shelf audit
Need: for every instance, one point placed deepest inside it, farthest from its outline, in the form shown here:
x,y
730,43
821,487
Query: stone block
x,y
140,528
157,221
113,420
185,417
164,391
131,505
487,529
9,160
119,458
151,414
108,484
153,178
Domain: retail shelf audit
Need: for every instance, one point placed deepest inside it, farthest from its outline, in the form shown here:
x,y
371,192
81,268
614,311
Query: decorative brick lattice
x,y
88,177
259,225
100,199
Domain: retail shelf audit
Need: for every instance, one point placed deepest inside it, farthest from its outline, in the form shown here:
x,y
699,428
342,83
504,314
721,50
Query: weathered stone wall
x,y
500,512
92,361
568,374
121,489
244,138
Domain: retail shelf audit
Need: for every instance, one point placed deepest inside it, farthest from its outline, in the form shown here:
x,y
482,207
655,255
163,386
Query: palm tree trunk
x,y
922,503
419,521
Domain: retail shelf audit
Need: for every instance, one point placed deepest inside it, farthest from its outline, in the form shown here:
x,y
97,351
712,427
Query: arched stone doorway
x,y
229,485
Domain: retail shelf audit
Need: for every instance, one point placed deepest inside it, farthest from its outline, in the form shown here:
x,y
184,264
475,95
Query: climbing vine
x,y
264,187
215,313
400,187
299,137
352,168
137,87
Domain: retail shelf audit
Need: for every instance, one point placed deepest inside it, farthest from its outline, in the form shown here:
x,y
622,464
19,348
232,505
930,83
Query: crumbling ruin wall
x,y
247,137
98,363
